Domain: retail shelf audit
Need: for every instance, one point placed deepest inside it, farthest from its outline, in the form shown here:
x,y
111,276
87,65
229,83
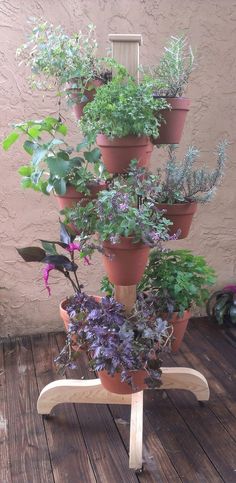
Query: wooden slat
x,y
222,372
206,427
185,452
157,467
67,448
29,456
125,50
104,445
5,475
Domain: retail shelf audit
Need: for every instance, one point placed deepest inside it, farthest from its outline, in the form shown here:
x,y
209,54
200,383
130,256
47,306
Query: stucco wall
x,y
26,216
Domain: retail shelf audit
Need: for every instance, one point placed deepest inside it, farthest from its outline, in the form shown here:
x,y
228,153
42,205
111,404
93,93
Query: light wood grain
x,y
136,431
125,50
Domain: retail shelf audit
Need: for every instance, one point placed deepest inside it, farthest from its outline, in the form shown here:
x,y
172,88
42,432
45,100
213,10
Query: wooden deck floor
x,y
88,444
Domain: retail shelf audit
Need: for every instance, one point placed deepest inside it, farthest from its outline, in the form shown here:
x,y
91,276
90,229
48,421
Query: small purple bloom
x,y
46,270
72,247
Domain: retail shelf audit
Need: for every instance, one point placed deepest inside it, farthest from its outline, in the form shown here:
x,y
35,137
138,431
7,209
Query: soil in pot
x,y
179,324
170,131
125,262
114,384
181,215
74,95
117,153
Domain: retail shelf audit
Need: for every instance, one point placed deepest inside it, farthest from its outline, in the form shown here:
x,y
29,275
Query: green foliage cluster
x,y
170,77
56,58
121,108
182,182
53,164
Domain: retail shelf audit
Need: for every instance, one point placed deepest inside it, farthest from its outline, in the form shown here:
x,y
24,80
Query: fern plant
x,y
183,183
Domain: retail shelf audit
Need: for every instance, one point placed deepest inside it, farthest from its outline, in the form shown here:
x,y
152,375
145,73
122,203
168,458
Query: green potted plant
x,y
63,63
54,165
124,229
177,280
221,306
170,79
182,186
121,120
124,349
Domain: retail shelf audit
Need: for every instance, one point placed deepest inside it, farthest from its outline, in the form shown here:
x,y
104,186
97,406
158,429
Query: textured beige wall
x,y
26,216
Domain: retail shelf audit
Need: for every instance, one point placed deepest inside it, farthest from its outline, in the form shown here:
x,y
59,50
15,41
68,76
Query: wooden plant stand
x,y
91,391
125,49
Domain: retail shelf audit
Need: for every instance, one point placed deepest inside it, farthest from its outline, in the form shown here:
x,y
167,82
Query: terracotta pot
x,y
125,261
179,327
117,153
149,151
181,215
114,384
66,319
171,128
72,197
73,93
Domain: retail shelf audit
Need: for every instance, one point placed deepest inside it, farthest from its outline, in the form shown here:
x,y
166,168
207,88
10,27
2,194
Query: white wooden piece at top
x,y
125,50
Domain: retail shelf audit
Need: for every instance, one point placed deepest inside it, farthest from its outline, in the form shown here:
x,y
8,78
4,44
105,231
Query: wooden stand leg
x,y
136,431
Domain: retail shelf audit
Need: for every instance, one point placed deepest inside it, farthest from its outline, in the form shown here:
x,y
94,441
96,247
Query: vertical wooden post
x,y
125,50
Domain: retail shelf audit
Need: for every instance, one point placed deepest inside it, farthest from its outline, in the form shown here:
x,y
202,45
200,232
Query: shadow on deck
x,y
183,441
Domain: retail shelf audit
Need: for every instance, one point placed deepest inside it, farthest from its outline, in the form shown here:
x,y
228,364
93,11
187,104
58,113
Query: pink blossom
x,y
72,247
230,288
46,270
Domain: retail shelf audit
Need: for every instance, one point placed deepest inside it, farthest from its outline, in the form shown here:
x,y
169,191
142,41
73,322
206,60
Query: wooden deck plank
x,y
217,338
205,425
104,445
5,474
221,371
29,456
68,452
157,467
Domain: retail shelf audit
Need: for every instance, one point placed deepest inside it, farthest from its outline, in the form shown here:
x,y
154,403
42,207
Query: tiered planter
x,y
117,153
171,128
74,94
181,215
114,384
125,261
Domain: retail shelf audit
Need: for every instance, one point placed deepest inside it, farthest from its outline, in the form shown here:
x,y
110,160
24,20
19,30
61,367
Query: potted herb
x,y
125,230
64,63
121,120
54,165
174,281
170,79
221,306
182,186
124,349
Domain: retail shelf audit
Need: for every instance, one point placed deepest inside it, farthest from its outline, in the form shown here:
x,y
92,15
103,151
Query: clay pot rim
x,y
189,206
103,140
176,318
125,243
71,190
65,301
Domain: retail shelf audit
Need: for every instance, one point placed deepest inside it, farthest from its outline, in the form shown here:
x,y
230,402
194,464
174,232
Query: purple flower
x,y
114,239
72,247
46,270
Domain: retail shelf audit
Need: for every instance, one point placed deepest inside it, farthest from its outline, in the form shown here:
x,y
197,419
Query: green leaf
x,y
92,156
49,248
58,166
26,183
32,254
29,147
61,128
34,131
9,140
25,170
59,186
38,155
